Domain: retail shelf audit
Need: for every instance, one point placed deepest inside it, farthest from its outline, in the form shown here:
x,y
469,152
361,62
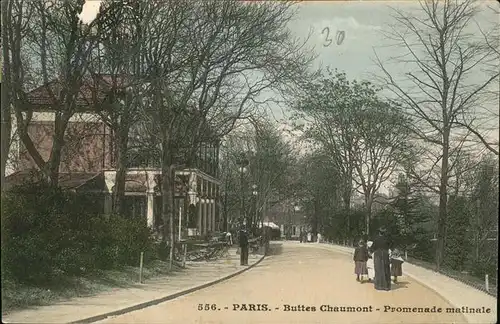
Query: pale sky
x,y
362,22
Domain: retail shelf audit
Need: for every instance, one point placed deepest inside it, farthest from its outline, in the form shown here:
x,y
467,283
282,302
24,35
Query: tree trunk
x,y
121,170
346,199
5,134
6,93
347,208
443,201
225,212
54,162
369,204
170,196
6,115
167,194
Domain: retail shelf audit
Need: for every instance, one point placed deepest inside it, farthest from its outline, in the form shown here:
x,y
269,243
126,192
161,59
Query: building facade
x,y
291,220
88,165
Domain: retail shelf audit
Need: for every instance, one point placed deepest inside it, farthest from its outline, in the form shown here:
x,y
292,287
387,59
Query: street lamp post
x,y
255,193
242,164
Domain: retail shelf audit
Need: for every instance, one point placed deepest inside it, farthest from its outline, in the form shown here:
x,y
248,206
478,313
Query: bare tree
x,y
119,73
6,120
381,139
207,68
440,89
326,108
321,194
271,163
363,135
59,45
15,17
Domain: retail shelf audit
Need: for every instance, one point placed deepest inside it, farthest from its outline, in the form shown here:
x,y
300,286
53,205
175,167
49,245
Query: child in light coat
x,y
369,263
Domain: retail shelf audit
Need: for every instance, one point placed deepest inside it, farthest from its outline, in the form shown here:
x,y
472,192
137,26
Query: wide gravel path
x,y
300,284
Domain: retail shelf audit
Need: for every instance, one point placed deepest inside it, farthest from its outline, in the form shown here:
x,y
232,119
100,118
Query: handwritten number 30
x,y
340,37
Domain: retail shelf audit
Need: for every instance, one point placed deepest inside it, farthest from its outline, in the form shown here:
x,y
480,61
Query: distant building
x,y
290,221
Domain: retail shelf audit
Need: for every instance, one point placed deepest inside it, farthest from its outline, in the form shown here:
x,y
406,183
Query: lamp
x,y
242,163
255,193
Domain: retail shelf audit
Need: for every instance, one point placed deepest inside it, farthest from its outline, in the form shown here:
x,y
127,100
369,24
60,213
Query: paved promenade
x,y
297,283
196,274
300,283
455,292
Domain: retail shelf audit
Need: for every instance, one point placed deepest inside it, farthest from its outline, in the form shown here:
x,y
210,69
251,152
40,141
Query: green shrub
x,y
457,238
130,237
48,232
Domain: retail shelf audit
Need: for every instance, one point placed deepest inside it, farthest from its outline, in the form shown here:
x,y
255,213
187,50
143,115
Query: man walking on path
x,y
243,247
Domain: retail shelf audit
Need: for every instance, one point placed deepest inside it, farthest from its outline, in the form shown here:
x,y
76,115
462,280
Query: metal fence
x,y
487,283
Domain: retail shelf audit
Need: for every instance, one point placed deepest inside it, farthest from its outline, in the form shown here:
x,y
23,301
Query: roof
x,y
86,181
94,91
72,180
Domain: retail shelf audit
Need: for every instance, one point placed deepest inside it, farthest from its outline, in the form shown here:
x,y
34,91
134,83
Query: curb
x,y
435,290
163,299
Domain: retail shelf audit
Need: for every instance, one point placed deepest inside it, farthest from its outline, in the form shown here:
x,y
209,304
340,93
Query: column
x,y
213,214
207,217
205,204
208,187
203,224
150,197
199,217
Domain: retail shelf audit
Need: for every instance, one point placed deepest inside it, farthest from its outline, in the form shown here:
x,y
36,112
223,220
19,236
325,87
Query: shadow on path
x,y
399,285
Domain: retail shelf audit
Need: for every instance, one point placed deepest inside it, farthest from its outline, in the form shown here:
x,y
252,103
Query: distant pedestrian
x,y
396,264
229,238
360,258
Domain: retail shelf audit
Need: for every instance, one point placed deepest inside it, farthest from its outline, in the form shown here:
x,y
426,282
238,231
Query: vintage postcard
x,y
228,161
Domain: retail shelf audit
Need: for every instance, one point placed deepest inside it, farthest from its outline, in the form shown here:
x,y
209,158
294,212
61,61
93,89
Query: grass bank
x,y
18,297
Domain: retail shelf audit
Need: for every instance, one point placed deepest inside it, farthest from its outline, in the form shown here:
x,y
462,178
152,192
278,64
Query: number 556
x,y
207,307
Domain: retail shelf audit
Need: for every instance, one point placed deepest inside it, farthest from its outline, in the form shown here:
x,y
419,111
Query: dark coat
x,y
380,248
361,254
243,238
380,243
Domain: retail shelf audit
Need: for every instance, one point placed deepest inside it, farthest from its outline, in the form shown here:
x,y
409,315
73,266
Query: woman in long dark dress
x,y
382,265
